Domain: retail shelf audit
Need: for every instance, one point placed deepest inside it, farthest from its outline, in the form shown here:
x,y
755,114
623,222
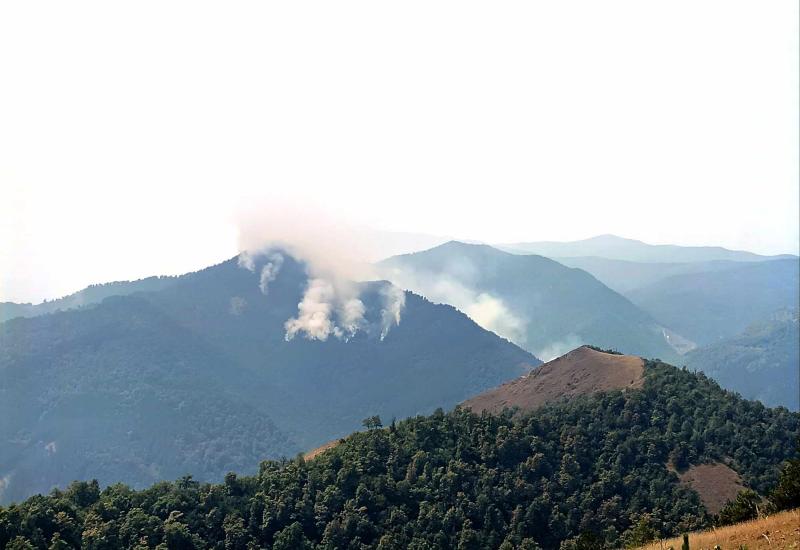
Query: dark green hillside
x,y
708,307
593,467
561,308
761,363
90,295
199,378
120,392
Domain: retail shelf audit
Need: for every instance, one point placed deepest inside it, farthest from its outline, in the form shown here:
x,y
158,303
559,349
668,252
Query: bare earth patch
x,y
311,455
581,371
779,531
716,484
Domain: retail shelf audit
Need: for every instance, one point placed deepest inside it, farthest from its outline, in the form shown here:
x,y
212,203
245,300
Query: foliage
x,y
576,472
744,507
786,494
199,378
760,363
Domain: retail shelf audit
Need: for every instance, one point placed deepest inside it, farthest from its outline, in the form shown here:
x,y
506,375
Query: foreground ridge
x,y
595,469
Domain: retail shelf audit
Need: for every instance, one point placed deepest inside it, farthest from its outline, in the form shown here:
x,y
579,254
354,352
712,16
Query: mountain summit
x,y
582,371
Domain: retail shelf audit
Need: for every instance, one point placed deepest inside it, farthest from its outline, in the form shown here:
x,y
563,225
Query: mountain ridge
x,y
535,301
621,248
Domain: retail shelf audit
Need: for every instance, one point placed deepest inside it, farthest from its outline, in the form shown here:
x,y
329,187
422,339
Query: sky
x,y
133,134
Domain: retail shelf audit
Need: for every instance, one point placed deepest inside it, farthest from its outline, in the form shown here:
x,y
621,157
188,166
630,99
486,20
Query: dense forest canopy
x,y
590,469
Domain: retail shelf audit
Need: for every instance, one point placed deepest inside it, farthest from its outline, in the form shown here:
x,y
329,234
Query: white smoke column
x,y
394,301
270,271
350,318
335,255
313,312
246,260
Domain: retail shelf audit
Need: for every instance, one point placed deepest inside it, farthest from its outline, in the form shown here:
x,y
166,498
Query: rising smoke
x,y
334,255
454,286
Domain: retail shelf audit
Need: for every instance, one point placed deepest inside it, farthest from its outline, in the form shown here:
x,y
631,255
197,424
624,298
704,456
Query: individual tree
x,y
372,422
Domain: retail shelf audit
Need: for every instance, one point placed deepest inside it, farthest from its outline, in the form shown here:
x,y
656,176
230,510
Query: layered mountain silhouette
x,y
707,307
538,303
199,378
763,362
626,276
619,248
90,295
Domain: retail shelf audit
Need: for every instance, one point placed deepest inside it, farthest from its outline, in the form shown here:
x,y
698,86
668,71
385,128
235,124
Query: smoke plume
x,y
334,254
452,286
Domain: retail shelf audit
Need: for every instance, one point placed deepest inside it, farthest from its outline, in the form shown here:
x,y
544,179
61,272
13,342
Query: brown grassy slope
x,y
716,484
310,455
581,371
777,532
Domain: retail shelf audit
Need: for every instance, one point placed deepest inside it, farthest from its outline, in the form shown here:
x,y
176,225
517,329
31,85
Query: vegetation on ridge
x,y
593,468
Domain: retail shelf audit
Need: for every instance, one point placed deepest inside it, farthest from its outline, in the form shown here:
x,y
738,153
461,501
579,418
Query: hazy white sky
x,y
131,133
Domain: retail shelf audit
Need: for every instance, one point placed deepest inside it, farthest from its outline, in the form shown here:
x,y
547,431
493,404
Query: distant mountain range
x,y
763,362
199,377
146,380
709,306
619,248
625,276
538,303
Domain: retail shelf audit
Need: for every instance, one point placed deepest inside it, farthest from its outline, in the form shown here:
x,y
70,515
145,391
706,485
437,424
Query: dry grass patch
x,y
778,531
716,484
310,455
583,371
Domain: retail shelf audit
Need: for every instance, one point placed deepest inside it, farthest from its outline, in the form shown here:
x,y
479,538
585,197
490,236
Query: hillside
x,y
619,248
541,305
710,306
624,276
781,530
200,378
591,470
760,363
583,371
90,295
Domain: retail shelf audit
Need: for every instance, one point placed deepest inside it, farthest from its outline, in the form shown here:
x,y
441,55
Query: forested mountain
x,y
710,306
536,302
625,276
761,363
619,248
201,378
591,472
90,295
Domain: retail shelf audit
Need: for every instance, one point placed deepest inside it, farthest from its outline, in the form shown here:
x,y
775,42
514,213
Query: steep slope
x,y
619,248
536,302
761,363
199,378
90,295
590,472
583,371
624,276
707,307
